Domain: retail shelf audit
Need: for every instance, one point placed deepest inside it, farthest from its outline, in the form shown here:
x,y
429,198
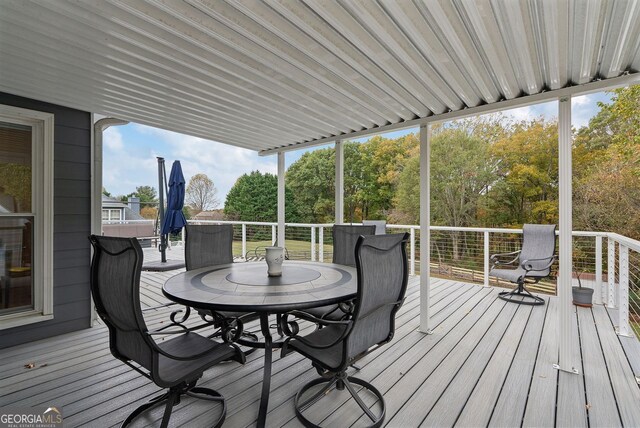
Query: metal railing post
x,y
485,255
321,243
244,240
413,252
274,235
623,292
182,236
611,273
313,243
598,291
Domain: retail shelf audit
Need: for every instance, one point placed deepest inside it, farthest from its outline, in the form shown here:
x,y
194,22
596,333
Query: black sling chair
x,y
381,263
176,364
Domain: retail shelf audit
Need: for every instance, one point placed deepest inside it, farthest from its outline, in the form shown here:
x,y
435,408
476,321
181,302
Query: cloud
x,y
112,139
220,162
584,107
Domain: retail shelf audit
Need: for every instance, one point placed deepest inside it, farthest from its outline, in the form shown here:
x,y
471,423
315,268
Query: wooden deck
x,y
488,363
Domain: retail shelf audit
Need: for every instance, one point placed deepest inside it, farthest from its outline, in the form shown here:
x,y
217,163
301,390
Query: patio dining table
x,y
246,287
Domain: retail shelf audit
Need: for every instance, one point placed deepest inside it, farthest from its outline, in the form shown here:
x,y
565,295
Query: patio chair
x,y
211,245
177,363
532,263
344,245
381,263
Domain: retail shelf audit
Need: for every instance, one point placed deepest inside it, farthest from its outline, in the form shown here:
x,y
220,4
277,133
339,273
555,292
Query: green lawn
x,y
295,248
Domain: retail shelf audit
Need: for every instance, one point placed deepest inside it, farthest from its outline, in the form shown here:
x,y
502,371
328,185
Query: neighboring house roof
x,y
113,203
209,215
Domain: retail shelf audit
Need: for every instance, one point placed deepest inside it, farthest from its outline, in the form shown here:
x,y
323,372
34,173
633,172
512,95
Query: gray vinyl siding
x,y
72,223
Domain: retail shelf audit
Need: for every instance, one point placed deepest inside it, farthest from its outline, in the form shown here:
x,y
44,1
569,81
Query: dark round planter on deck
x,y
582,296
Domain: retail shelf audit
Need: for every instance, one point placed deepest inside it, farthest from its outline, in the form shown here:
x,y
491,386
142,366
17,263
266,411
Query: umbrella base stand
x,y
159,266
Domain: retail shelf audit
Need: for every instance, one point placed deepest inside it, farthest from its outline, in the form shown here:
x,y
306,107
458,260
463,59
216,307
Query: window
x,y
111,215
26,216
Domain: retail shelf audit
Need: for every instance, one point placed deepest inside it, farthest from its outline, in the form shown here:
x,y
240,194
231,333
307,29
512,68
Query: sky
x,y
130,151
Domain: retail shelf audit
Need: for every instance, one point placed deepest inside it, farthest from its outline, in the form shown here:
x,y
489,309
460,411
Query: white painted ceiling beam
x,y
588,24
214,20
389,92
152,58
514,22
420,101
587,88
282,74
373,17
490,45
424,40
623,38
447,24
301,50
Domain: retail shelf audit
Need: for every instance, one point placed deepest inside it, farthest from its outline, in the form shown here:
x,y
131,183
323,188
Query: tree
x,y
201,193
149,212
311,180
253,197
105,192
606,154
146,194
526,190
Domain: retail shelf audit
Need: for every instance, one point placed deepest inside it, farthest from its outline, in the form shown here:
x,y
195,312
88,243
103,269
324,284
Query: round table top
x,y
246,287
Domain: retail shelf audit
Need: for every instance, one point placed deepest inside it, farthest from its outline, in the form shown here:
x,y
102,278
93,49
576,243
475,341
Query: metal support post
x,y
611,273
244,240
321,243
598,293
412,270
486,258
339,185
623,293
281,216
566,309
425,223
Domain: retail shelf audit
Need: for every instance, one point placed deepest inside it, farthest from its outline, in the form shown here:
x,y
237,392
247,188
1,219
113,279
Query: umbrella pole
x,y
163,238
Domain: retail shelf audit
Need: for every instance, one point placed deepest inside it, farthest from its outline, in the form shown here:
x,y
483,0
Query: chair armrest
x,y
495,258
526,264
291,329
308,317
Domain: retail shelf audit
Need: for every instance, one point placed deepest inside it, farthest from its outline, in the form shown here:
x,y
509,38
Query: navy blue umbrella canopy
x,y
174,219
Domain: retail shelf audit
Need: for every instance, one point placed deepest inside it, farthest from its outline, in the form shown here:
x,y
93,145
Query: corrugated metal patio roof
x,y
275,73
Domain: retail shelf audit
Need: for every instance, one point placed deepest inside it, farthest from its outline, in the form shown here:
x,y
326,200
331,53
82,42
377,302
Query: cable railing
x,y
607,262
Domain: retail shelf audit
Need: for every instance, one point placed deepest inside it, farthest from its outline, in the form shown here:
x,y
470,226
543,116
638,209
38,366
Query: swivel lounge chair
x,y
532,263
211,245
177,363
381,263
344,245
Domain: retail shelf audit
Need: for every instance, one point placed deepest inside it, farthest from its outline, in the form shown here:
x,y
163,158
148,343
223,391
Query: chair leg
x,y
521,295
154,402
172,398
344,381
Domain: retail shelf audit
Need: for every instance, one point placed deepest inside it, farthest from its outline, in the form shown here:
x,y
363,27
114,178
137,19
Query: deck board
x,y
601,403
623,381
572,406
487,363
540,407
441,367
487,389
509,408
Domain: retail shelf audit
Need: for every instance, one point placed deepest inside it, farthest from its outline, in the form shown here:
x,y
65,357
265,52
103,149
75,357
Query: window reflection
x,y
16,253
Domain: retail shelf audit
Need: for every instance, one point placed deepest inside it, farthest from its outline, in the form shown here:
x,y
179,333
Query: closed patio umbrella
x,y
174,219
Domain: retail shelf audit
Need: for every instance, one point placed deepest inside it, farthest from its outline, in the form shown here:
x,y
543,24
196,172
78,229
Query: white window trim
x,y
42,187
